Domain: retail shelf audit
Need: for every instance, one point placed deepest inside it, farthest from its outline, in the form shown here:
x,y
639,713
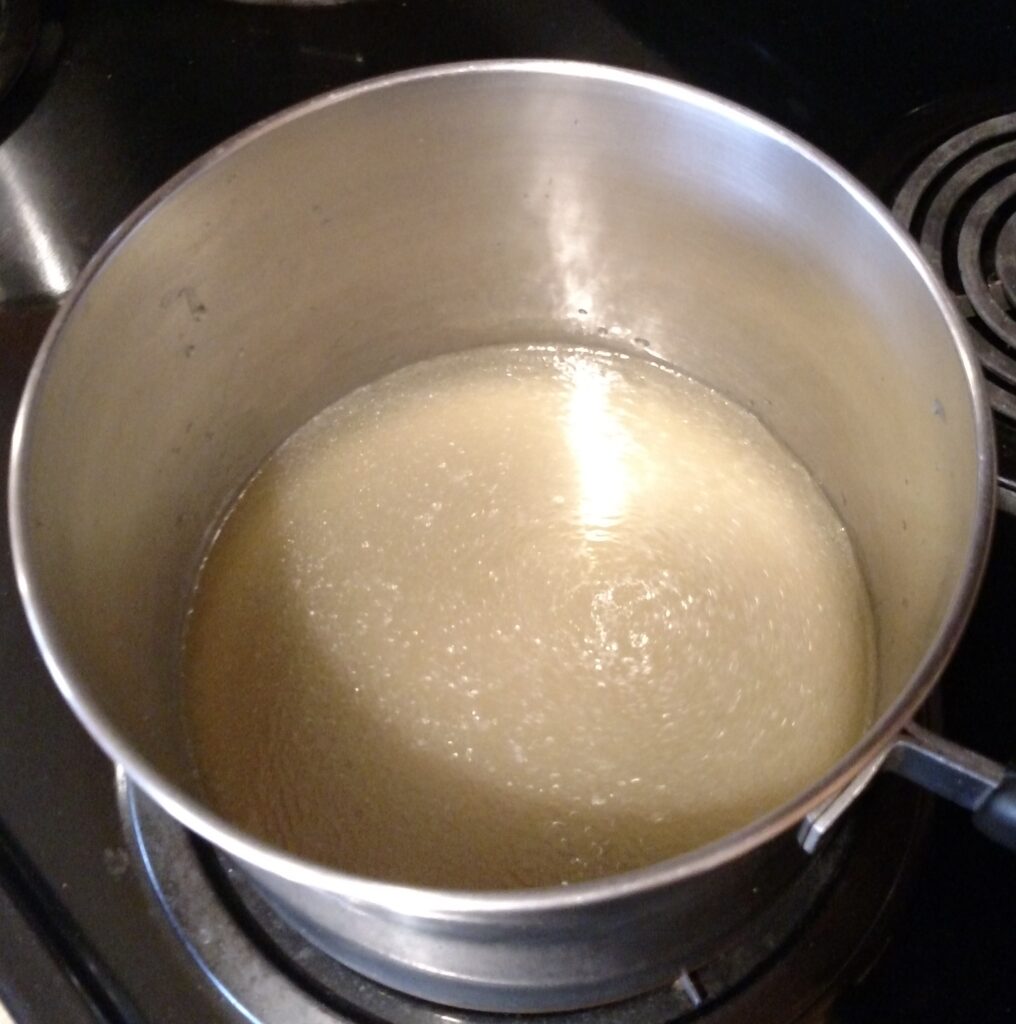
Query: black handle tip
x,y
996,816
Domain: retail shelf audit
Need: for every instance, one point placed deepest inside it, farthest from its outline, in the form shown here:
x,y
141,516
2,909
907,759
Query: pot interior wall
x,y
454,211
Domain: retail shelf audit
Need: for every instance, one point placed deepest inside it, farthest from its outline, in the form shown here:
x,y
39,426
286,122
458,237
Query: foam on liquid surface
x,y
513,617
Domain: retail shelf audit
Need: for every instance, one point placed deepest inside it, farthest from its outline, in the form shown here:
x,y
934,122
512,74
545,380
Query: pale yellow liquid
x,y
517,617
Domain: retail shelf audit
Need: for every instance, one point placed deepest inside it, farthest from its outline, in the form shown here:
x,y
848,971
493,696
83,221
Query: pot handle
x,y
1006,498
944,768
966,778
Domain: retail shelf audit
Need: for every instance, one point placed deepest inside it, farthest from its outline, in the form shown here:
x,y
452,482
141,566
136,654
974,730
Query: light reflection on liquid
x,y
600,444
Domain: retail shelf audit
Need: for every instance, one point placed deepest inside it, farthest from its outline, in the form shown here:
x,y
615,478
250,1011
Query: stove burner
x,y
824,932
960,204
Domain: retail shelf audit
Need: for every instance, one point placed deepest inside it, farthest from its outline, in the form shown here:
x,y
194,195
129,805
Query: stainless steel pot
x,y
467,205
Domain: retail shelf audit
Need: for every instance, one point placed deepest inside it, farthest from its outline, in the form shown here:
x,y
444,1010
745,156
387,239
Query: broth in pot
x,y
517,617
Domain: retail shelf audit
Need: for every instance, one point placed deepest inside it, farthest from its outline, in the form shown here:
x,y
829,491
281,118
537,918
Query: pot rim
x,y
438,903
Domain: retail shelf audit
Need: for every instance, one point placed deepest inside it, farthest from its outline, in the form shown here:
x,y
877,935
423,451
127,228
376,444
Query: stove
x,y
110,911
959,202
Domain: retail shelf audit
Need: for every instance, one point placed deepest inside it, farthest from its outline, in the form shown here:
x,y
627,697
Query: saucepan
x,y
475,204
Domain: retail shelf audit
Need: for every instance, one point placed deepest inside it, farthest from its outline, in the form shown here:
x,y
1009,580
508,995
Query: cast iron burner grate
x,y
824,932
960,204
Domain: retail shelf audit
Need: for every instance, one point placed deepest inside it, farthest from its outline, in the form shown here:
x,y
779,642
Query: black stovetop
x,y
119,94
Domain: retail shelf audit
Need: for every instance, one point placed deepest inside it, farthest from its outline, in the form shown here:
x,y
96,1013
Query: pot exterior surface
x,y
542,960
524,203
